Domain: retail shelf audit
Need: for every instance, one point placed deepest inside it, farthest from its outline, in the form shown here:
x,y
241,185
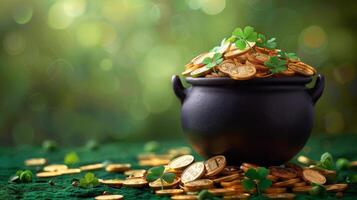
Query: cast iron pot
x,y
263,121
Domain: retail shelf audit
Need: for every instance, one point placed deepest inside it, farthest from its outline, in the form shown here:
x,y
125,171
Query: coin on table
x,y
35,161
162,184
55,167
222,191
340,187
280,196
181,162
48,174
215,165
231,177
91,167
109,197
243,72
135,172
135,182
305,160
275,190
193,172
169,192
119,167
301,69
287,183
302,189
281,172
199,184
313,176
184,197
111,182
70,171
237,196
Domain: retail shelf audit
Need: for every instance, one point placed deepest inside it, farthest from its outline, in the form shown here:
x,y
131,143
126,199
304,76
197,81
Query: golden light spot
x,y
314,37
57,16
14,43
213,7
74,8
88,34
22,14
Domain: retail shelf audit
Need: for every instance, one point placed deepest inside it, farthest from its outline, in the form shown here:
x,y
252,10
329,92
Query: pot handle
x,y
317,90
178,88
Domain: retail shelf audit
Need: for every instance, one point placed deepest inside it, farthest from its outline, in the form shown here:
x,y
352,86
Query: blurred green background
x,y
73,70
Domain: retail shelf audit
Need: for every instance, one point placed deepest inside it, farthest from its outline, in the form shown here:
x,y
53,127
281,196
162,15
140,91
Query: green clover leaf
x,y
205,195
275,64
241,44
168,177
263,42
88,181
71,158
342,164
252,174
264,184
158,173
262,172
248,184
326,161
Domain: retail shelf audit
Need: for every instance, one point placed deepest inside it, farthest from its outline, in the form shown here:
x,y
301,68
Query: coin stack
x,y
244,64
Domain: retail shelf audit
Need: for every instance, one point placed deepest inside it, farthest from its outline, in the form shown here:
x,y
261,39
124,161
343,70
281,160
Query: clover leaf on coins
x,y
158,173
241,37
275,65
326,161
289,56
264,43
214,61
256,178
88,181
206,195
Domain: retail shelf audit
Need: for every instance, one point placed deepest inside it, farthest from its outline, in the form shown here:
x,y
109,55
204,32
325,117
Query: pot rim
x,y
296,80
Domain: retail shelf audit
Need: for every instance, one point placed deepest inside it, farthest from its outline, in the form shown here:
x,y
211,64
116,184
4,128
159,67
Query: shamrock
x,y
214,61
71,158
275,64
88,181
290,56
205,195
242,37
326,161
158,172
23,176
264,43
256,178
342,164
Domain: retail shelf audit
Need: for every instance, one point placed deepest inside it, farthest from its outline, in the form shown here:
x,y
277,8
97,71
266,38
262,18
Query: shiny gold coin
x,y
226,67
200,71
181,162
301,69
70,171
222,191
243,72
265,74
272,178
109,197
184,197
234,51
275,190
122,167
135,172
193,172
305,160
299,184
198,60
226,178
313,176
336,187
111,182
281,172
286,196
215,165
225,46
135,182
91,167
48,174
189,70
199,184
228,170
258,58
286,183
158,184
189,65
230,183
153,162
169,192
179,151
241,196
35,161
55,167
302,189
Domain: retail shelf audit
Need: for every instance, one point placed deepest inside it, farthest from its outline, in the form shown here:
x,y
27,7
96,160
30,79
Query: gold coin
x,y
272,178
198,60
246,166
169,192
215,165
158,184
286,183
35,161
184,197
111,182
231,177
55,167
109,197
305,160
222,191
329,174
299,184
243,72
241,196
313,176
281,172
70,171
189,70
120,167
228,170
302,189
230,183
135,172
193,172
234,51
226,67
336,187
153,162
92,167
200,71
199,184
263,74
48,174
280,196
258,58
301,69
181,162
275,190
135,182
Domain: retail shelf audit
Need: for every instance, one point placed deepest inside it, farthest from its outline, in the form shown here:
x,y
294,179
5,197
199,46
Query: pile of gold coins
x,y
245,64
213,175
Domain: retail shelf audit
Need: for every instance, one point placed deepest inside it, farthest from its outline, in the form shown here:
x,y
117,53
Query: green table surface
x,y
11,160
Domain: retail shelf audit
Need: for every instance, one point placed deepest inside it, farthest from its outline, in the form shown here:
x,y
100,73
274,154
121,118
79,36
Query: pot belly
x,y
258,126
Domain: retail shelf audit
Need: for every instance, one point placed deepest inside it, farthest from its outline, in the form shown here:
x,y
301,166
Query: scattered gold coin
x,y
181,162
313,176
169,192
281,172
135,182
241,196
70,171
48,174
35,161
135,172
92,167
215,165
158,184
287,183
193,172
55,167
109,197
184,197
280,196
231,177
112,182
340,187
118,167
222,191
275,190
199,184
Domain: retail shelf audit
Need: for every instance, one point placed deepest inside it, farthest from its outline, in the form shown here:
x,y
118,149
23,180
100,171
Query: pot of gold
x,y
248,100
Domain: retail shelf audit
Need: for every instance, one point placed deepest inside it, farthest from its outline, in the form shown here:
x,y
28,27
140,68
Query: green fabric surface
x,y
11,160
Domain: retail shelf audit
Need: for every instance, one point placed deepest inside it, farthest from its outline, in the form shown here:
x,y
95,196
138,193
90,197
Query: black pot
x,y
263,121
